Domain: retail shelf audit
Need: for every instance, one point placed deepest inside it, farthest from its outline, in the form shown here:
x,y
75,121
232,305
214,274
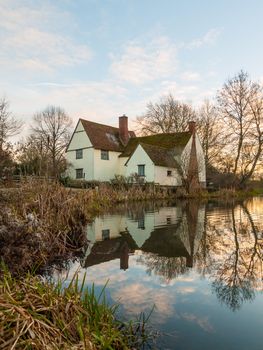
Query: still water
x,y
199,264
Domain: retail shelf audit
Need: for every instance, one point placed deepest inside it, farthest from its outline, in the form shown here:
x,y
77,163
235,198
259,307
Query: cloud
x,y
191,76
92,100
140,63
30,39
138,297
202,322
208,38
100,274
186,290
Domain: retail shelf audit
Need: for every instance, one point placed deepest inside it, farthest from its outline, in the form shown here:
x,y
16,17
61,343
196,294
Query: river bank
x,y
42,225
37,213
35,314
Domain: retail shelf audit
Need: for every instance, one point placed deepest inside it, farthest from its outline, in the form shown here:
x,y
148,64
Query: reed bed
x,y
40,224
38,315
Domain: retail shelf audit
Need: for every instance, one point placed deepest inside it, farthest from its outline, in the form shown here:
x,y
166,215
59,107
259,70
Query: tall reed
x,y
39,315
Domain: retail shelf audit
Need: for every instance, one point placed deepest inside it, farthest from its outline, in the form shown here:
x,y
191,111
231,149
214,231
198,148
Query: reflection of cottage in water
x,y
168,232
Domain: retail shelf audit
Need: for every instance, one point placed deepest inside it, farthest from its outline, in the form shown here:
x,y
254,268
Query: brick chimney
x,y
123,129
124,257
192,127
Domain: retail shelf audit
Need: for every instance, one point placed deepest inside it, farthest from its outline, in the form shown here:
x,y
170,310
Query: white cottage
x,y
168,231
99,152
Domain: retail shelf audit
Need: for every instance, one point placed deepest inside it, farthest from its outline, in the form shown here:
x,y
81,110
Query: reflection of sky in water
x,y
188,307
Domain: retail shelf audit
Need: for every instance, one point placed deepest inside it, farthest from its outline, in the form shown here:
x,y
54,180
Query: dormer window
x,y
104,155
79,153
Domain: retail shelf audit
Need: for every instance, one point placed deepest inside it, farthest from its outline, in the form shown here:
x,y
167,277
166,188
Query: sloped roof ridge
x,y
90,121
162,135
159,155
167,141
154,146
167,133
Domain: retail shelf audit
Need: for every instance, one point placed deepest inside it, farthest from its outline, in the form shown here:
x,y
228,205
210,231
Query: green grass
x,y
35,314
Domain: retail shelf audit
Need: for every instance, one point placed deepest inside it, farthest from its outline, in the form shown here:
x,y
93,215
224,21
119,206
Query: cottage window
x,y
104,155
105,234
79,153
169,172
141,224
141,170
79,174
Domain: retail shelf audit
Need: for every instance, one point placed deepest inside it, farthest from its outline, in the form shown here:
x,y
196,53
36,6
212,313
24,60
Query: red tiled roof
x,y
104,137
158,147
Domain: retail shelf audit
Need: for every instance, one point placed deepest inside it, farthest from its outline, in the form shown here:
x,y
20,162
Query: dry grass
x,y
41,223
38,315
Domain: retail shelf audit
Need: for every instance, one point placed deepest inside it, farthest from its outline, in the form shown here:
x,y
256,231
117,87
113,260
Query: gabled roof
x,y
104,137
167,141
110,249
160,156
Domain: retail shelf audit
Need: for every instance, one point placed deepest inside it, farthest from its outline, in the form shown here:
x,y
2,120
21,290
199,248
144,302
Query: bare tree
x,y
32,157
166,116
240,103
253,146
52,129
7,164
9,125
210,132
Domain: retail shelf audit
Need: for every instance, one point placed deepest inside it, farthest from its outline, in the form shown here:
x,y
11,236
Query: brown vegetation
x,y
39,224
43,223
39,315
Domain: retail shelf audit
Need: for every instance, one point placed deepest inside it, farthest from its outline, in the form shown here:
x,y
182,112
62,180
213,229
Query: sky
x,y
99,59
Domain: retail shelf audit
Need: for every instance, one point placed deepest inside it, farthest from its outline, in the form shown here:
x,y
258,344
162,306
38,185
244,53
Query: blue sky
x,y
100,59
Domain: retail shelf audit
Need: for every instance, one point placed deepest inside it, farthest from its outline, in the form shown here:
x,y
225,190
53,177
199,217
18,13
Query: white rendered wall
x,y
122,169
86,163
118,223
114,223
185,156
80,140
105,170
201,160
172,213
140,157
164,180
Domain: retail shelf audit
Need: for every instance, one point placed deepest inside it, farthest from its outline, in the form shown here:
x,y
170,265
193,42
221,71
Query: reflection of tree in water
x,y
167,268
230,253
238,271
170,250
233,293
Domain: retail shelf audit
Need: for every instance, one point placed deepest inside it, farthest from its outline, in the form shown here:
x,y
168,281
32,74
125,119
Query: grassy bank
x,y
228,194
39,315
42,225
38,213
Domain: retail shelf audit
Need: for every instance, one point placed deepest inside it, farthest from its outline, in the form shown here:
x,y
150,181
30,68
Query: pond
x,y
199,264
